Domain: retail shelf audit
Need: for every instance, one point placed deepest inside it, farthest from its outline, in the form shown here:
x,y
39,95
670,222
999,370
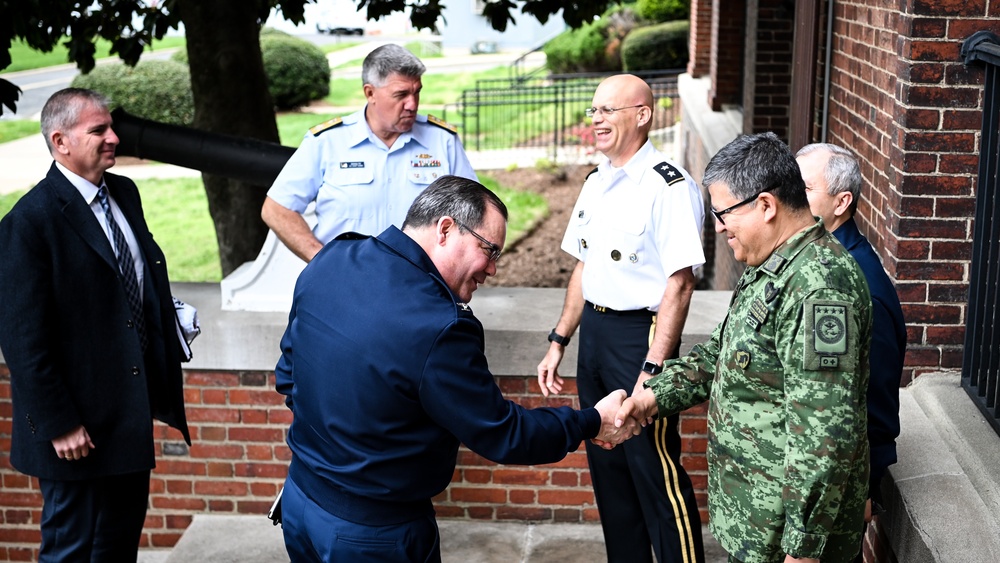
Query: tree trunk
x,y
231,97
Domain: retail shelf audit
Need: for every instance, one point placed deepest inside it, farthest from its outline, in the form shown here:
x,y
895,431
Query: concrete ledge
x,y
942,497
516,321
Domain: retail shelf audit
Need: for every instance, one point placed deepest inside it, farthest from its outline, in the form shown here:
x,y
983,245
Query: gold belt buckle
x,y
600,309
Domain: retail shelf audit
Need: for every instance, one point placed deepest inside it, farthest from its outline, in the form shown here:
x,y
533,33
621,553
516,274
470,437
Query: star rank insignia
x,y
671,175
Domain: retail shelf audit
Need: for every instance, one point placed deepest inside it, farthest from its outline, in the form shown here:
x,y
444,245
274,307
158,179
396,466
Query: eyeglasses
x,y
731,208
591,112
494,250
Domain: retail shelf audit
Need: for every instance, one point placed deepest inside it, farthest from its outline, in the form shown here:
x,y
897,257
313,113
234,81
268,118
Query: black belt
x,y
609,311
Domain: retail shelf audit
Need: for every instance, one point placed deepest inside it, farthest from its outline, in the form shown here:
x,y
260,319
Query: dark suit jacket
x,y
67,335
886,359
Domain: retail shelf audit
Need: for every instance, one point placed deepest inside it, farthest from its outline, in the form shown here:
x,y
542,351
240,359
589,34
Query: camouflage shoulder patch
x,y
442,124
671,175
829,343
325,126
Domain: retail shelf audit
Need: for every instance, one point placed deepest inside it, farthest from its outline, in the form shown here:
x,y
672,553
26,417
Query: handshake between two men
x,y
623,417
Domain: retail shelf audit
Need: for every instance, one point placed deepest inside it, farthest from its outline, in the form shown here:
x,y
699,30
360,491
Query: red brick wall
x,y
904,101
773,71
238,458
726,59
700,38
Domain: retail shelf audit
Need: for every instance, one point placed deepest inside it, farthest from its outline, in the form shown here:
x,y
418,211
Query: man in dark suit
x,y
87,328
833,186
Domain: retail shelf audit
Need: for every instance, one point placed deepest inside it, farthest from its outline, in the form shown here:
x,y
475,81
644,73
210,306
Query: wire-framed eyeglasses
x,y
591,112
494,250
731,208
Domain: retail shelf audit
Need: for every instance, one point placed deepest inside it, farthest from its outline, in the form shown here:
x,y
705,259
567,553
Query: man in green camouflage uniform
x,y
785,373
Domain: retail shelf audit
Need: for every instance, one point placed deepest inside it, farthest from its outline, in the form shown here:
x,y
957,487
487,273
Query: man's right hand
x,y
549,379
291,229
74,444
614,430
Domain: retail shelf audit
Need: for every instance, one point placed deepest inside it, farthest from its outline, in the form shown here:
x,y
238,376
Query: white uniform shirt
x,y
357,182
632,227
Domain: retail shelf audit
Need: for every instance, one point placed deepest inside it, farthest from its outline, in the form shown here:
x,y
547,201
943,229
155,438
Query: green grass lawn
x,y
177,215
25,58
12,129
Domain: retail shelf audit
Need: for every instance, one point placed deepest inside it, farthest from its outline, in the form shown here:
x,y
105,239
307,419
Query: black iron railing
x,y
981,362
547,111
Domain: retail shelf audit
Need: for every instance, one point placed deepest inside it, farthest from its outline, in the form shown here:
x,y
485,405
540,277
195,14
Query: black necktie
x,y
126,264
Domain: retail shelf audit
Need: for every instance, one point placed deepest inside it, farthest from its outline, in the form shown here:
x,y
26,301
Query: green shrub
x,y
595,46
656,47
159,90
297,71
657,11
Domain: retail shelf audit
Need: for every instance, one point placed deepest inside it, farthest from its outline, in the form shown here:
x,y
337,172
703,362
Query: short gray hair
x,y
751,164
389,59
842,173
461,199
62,110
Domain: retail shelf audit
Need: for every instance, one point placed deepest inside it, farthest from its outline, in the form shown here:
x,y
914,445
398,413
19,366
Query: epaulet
x,y
669,172
326,125
590,173
351,235
442,124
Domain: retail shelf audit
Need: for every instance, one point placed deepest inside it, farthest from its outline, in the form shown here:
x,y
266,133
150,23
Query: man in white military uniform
x,y
364,170
636,231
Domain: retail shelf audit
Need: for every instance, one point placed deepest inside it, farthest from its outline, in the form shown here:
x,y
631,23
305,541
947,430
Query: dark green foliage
x,y
595,46
663,10
655,47
153,89
297,71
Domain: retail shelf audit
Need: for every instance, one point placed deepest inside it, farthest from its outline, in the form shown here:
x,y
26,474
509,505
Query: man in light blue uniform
x,y
364,170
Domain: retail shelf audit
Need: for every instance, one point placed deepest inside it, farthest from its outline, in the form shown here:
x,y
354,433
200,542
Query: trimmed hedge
x,y
159,90
656,47
594,46
663,10
297,71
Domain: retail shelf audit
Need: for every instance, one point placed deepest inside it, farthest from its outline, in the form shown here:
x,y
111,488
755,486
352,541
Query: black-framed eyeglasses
x,y
494,250
591,112
731,208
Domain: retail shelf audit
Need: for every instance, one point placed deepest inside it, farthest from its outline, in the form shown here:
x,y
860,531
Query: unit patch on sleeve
x,y
829,344
441,123
669,172
325,126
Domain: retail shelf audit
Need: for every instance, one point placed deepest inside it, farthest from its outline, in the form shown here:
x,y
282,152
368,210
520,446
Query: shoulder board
x,y
669,172
441,123
326,125
590,173
351,235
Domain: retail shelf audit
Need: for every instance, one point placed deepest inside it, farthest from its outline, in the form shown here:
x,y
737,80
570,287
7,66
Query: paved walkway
x,y
252,539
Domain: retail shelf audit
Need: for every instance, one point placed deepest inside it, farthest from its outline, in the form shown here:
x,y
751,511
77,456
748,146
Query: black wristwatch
x,y
652,368
558,338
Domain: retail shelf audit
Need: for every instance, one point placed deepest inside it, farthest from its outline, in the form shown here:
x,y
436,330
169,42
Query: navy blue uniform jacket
x,y
67,335
385,374
886,360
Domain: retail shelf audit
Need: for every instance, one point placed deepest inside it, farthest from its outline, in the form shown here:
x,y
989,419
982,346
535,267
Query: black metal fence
x,y
981,363
547,111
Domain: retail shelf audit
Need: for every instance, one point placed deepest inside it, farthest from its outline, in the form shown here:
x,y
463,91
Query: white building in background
x,y
328,14
466,27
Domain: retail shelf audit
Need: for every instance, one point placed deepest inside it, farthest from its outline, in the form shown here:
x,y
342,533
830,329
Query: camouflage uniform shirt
x,y
785,375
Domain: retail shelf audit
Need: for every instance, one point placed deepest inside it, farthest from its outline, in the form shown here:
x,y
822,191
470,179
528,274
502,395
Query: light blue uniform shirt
x,y
357,182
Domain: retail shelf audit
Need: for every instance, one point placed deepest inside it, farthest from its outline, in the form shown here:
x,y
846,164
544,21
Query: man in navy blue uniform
x,y
833,186
383,366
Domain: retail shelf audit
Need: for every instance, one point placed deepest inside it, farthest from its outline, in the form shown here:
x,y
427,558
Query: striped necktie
x,y
126,265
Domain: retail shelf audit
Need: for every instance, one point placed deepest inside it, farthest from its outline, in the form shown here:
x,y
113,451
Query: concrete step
x,y
252,539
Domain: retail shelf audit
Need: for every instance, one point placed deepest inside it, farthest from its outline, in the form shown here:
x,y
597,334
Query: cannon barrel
x,y
240,158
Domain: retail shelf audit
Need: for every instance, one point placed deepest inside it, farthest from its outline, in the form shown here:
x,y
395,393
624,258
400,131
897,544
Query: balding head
x,y
623,116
